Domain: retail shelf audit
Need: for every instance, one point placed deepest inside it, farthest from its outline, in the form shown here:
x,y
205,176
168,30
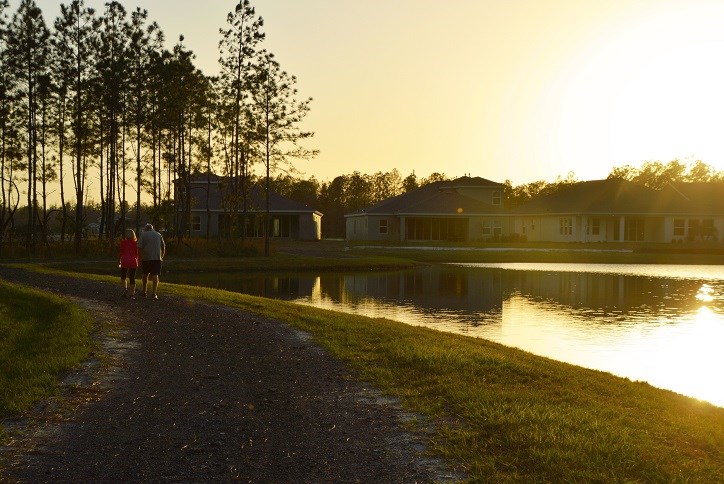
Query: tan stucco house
x,y
616,210
465,209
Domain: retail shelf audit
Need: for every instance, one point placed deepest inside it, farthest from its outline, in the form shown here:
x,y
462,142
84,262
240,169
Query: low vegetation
x,y
509,416
41,335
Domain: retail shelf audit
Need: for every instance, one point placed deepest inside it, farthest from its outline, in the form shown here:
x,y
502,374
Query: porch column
x,y
621,228
402,229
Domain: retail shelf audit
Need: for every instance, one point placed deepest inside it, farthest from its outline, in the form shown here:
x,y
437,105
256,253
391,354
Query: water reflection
x,y
660,324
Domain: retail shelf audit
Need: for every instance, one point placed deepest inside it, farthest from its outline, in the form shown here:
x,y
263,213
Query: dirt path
x,y
185,391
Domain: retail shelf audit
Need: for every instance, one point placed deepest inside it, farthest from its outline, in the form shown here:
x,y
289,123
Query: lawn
x,y
41,335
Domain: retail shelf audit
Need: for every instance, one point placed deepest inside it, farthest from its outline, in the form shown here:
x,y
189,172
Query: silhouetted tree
x,y
279,116
74,62
143,41
27,62
238,47
410,183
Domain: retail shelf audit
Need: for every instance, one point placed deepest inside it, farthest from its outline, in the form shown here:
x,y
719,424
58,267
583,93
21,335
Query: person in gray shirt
x,y
151,250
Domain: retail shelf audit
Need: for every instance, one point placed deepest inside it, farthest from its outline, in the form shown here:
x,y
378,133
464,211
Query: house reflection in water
x,y
434,289
606,294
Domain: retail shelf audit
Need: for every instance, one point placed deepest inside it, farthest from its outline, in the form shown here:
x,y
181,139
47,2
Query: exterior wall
x,y
356,228
653,229
374,228
528,227
213,226
682,228
310,226
489,227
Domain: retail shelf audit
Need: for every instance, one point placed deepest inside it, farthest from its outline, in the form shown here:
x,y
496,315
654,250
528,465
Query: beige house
x,y
465,209
621,211
615,210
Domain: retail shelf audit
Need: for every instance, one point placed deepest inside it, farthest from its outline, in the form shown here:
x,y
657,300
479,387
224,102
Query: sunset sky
x,y
504,89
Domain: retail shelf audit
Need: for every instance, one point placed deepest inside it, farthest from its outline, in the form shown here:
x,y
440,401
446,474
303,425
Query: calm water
x,y
660,324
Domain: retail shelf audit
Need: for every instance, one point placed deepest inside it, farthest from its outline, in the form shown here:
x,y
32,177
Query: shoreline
x,y
467,385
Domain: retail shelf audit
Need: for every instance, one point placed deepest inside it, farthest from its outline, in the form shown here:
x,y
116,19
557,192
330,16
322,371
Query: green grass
x,y
277,263
41,335
537,253
510,416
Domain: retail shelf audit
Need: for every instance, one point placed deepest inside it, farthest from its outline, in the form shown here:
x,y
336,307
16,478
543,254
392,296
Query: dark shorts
x,y
129,272
152,267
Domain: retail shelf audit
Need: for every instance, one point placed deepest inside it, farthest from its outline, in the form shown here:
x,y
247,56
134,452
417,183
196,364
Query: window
x,y
487,227
566,226
492,227
634,229
196,223
707,228
679,227
595,226
383,226
496,197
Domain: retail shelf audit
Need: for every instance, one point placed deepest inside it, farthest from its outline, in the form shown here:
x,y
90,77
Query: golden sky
x,y
503,89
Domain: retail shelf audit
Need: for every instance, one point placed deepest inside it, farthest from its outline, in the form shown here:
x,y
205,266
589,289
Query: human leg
x,y
146,272
132,282
155,286
124,281
155,269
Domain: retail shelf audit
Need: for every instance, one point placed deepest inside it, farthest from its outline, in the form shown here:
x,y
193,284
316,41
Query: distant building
x,y
614,210
289,219
618,210
465,209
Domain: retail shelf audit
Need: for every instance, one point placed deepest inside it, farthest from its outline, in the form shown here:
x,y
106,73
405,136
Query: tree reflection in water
x,y
660,324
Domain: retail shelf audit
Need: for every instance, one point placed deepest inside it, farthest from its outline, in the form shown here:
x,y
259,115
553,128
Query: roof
x,y
256,200
618,196
700,197
437,198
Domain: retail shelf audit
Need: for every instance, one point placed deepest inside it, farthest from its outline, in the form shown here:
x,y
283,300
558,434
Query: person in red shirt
x,y
129,263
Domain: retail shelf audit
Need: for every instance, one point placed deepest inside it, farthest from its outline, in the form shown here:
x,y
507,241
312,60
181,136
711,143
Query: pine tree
x,y
279,116
27,62
8,136
144,41
238,46
74,69
112,65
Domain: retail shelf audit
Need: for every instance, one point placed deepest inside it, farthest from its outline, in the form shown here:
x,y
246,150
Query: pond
x,y
663,324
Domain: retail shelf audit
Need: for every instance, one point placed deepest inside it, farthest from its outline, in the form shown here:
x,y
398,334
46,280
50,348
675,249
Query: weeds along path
x,y
185,391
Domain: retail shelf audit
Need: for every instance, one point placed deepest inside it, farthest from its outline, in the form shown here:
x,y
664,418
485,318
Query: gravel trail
x,y
183,391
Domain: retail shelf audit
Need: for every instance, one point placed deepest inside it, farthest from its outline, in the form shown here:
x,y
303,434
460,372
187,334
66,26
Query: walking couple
x,y
152,251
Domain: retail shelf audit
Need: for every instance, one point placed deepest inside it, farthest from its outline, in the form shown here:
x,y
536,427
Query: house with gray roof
x,y
213,205
617,210
612,210
465,209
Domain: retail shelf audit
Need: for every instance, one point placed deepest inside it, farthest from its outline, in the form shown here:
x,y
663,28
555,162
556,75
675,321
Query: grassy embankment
x,y
507,415
41,335
339,257
278,263
611,253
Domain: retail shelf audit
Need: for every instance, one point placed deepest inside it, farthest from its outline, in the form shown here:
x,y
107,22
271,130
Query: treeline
x,y
96,98
348,193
